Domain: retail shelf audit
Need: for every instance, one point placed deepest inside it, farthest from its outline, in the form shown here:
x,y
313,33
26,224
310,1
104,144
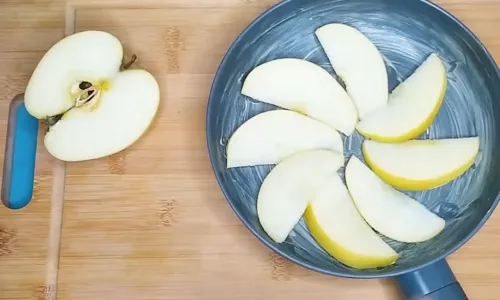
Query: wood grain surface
x,y
150,222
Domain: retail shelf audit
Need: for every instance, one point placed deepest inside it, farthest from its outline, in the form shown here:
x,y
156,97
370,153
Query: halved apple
x,y
358,62
337,226
94,108
421,164
304,87
412,107
387,210
290,186
269,137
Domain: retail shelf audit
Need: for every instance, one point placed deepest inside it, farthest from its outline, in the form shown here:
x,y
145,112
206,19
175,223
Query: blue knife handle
x,y
20,156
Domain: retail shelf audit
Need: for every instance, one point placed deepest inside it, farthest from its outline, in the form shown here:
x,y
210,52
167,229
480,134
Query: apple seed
x,y
84,85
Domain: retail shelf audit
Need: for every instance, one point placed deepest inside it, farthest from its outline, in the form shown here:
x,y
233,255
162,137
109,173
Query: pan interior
x,y
405,32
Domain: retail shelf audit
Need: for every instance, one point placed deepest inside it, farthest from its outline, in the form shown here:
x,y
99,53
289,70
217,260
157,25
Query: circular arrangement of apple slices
x,y
94,105
302,140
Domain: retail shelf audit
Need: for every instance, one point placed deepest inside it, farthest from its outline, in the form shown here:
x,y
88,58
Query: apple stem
x,y
130,62
52,120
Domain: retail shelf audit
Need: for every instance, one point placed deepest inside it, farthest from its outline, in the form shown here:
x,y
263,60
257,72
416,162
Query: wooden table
x,y
151,223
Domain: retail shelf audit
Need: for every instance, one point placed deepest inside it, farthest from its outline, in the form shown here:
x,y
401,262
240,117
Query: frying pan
x,y
405,32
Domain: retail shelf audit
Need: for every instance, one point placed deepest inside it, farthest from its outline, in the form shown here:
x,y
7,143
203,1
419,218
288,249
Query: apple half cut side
x,y
287,190
335,223
94,108
412,107
421,164
270,137
388,210
304,87
359,63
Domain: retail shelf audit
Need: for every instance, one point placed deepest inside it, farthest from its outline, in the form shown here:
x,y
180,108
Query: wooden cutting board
x,y
151,223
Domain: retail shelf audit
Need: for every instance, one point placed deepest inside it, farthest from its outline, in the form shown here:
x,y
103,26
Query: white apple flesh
x,y
104,109
359,63
387,210
337,226
304,87
421,164
290,186
122,116
270,137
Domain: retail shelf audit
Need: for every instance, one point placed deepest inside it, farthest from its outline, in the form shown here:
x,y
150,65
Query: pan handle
x,y
432,282
20,155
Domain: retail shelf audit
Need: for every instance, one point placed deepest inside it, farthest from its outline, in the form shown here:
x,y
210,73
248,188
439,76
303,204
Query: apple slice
x,y
269,137
304,87
358,62
412,107
93,107
337,226
290,186
387,210
421,164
